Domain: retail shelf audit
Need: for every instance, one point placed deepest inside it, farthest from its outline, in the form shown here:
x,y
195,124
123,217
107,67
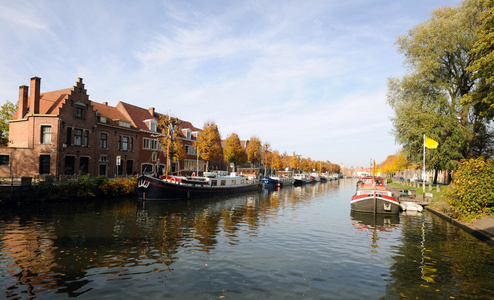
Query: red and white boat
x,y
373,197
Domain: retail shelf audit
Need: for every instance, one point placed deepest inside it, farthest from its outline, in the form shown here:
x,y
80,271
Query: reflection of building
x,y
64,133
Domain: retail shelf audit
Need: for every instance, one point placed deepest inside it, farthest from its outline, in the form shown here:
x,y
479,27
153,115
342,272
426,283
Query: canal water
x,y
295,243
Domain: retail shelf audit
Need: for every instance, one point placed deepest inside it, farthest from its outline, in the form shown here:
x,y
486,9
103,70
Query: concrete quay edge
x,y
485,232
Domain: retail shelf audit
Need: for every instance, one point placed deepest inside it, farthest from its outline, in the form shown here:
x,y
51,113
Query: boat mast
x,y
168,147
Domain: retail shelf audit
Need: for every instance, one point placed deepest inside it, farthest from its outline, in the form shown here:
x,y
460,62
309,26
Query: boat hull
x,y
378,204
151,188
270,182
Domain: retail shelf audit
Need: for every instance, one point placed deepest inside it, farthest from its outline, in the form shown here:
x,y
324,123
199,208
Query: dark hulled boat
x,y
183,187
373,197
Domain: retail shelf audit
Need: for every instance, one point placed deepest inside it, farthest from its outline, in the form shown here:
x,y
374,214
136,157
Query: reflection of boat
x,y
184,187
383,222
372,196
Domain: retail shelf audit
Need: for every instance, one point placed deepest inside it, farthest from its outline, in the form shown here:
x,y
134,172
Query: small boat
x,y
267,181
300,179
315,177
372,196
184,187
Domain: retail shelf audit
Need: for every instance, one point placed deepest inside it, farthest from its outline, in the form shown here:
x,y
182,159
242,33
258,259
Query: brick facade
x,y
64,133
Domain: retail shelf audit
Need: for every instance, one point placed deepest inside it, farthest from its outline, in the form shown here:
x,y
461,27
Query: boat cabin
x,y
250,173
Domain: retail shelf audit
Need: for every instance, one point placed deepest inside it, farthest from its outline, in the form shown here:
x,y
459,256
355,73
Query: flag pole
x,y
423,172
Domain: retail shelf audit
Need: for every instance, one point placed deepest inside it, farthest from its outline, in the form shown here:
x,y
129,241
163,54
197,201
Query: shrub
x,y
471,195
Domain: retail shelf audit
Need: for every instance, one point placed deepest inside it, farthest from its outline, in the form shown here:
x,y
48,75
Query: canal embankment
x,y
483,228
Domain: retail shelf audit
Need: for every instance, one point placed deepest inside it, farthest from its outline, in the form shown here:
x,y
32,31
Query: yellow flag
x,y
430,143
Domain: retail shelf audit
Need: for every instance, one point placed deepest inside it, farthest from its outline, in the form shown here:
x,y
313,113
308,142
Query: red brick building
x,y
64,133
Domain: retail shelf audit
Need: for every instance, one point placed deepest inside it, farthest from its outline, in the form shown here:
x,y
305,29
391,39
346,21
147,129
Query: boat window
x,y
379,182
223,182
242,181
234,182
214,182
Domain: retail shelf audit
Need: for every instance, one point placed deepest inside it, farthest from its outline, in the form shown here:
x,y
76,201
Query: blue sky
x,y
306,76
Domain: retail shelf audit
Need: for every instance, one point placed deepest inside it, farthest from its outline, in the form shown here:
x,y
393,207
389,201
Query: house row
x,y
65,133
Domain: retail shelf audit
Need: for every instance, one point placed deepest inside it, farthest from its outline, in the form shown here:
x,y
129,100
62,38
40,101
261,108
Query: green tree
x,y
209,143
234,152
428,98
254,150
421,108
6,112
482,98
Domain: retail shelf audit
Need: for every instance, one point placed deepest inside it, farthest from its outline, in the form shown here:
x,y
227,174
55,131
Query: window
x,y
103,140
68,141
44,164
103,157
86,138
69,165
154,156
214,183
146,143
78,112
130,165
84,165
187,150
223,182
124,124
152,125
77,137
4,160
45,134
125,143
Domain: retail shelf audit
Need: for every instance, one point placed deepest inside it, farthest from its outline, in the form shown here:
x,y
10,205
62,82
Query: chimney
x,y
35,95
105,103
151,111
23,97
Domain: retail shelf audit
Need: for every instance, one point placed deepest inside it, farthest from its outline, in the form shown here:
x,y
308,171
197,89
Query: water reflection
x,y
373,224
62,248
295,242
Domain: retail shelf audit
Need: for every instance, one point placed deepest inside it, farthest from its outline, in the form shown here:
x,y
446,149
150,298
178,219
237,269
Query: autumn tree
x,y
295,161
168,138
266,156
234,152
285,160
209,143
254,150
334,168
304,165
394,163
276,162
6,112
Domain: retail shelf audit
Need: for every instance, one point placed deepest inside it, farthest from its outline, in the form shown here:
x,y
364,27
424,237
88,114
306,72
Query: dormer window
x,y
102,119
187,132
152,125
124,124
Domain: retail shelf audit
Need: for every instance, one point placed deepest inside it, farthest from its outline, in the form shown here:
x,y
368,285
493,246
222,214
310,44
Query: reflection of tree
x,y
439,261
61,247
